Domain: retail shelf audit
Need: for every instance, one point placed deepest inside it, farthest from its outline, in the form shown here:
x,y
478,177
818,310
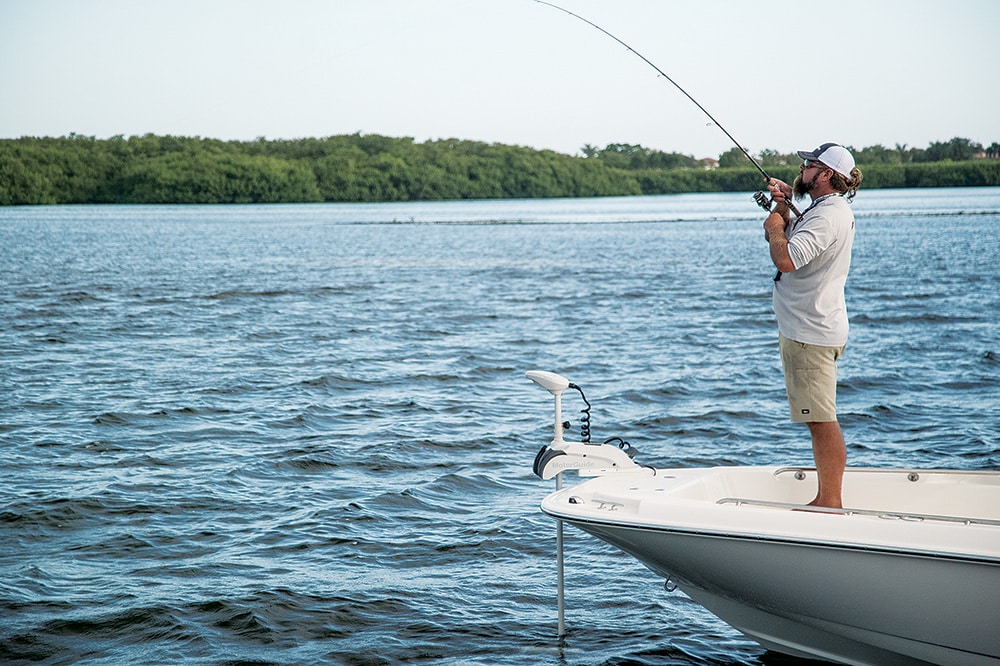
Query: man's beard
x,y
800,188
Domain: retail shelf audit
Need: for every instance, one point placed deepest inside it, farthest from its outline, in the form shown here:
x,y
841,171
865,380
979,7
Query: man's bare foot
x,y
827,504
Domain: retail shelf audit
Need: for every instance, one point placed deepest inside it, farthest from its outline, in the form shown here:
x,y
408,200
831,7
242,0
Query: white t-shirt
x,y
809,302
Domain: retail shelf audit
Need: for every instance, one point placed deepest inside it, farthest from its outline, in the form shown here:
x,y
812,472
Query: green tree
x,y
769,157
732,158
21,182
878,154
957,149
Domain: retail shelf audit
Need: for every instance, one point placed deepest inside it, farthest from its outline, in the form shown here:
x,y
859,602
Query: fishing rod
x,y
760,197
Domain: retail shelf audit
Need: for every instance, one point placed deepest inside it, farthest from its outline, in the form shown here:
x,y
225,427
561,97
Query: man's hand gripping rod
x,y
765,201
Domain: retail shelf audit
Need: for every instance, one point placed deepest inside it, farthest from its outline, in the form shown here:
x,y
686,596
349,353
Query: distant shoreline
x,y
373,168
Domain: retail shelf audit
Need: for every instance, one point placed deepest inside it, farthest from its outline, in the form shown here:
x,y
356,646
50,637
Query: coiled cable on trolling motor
x,y
585,419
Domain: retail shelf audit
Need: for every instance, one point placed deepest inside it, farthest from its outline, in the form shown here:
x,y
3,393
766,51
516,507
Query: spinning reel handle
x,y
764,201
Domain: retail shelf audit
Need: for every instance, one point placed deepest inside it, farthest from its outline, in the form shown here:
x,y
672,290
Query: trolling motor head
x,y
550,381
554,384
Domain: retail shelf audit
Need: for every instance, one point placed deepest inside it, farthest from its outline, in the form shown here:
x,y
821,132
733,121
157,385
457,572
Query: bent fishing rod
x,y
760,197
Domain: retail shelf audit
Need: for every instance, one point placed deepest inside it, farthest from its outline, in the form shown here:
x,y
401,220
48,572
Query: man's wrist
x,y
774,227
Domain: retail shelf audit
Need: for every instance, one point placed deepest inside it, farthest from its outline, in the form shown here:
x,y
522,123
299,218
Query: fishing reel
x,y
763,200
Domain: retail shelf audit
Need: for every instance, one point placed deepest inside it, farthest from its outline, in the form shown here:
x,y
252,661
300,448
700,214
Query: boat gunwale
x,y
879,470
777,539
887,515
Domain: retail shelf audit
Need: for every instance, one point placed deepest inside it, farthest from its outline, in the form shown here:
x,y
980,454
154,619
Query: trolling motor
x,y
587,458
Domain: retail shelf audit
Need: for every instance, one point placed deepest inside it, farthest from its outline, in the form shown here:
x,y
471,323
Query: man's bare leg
x,y
830,453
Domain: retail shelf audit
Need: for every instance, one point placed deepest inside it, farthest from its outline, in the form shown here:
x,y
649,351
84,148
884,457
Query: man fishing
x,y
812,253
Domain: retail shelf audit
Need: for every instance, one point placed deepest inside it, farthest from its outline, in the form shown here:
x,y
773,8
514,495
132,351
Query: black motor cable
x,y
585,419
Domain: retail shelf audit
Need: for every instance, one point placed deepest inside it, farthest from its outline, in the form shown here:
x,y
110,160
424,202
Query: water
x,y
302,434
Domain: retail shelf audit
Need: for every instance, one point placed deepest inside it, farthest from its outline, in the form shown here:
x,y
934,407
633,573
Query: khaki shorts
x,y
810,380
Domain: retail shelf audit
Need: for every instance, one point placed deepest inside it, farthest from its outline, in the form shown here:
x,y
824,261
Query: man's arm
x,y
774,232
775,225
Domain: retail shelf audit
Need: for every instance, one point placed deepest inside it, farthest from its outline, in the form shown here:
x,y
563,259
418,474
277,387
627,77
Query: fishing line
x,y
760,197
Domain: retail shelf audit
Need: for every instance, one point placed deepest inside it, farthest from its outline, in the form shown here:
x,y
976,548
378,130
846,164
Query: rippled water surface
x,y
302,434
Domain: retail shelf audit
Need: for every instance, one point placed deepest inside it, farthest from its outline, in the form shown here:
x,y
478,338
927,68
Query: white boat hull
x,y
909,579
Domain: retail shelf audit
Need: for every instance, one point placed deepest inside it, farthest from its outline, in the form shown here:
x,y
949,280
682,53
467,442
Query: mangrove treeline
x,y
169,169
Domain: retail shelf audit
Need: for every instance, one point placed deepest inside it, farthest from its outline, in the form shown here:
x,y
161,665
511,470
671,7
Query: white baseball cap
x,y
834,156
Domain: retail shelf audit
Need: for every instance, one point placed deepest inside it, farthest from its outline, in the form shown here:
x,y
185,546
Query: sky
x,y
779,75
